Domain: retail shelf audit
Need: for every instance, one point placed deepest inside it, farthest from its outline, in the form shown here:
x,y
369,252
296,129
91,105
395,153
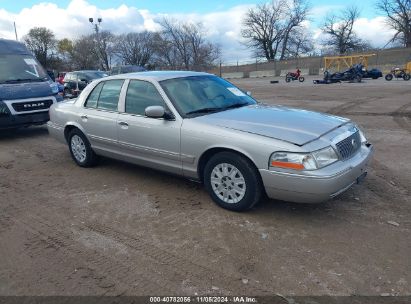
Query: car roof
x,y
12,47
87,71
158,75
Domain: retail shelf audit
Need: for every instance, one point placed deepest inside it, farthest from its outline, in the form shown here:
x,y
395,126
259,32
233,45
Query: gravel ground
x,y
120,229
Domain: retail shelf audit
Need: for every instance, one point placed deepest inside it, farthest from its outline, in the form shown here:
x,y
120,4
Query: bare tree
x,y
84,54
65,52
270,27
340,31
104,43
398,13
296,13
135,48
300,42
41,41
184,44
262,30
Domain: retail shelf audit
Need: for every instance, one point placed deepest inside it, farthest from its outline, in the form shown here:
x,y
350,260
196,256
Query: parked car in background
x,y
26,91
373,73
74,82
123,69
204,128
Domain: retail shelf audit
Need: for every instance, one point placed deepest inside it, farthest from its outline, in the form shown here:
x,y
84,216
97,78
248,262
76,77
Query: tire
x,y
301,79
357,78
388,77
80,149
287,79
217,175
406,77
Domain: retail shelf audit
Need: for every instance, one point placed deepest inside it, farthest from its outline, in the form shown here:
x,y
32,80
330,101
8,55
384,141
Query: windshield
x,y
91,75
199,95
20,68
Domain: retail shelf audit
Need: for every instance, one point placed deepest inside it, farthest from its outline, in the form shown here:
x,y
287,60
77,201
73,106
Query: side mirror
x,y
84,80
155,112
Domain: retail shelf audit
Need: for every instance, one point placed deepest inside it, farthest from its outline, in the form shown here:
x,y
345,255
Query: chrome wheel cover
x,y
228,183
78,148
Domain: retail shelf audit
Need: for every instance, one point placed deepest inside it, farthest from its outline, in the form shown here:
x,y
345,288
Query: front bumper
x,y
56,132
23,120
319,185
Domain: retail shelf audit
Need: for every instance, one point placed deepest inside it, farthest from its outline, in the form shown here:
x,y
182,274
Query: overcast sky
x,y
221,19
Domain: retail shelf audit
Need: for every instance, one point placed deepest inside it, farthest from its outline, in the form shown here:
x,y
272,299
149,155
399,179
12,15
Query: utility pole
x,y
96,26
15,30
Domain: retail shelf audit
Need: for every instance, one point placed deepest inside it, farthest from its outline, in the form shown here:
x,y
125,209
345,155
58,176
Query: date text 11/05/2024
x,y
204,299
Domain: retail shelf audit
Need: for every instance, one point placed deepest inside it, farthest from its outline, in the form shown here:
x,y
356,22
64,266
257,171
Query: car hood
x,y
292,125
25,90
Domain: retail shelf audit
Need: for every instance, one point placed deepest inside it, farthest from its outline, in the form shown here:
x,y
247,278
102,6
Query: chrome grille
x,y
32,105
349,146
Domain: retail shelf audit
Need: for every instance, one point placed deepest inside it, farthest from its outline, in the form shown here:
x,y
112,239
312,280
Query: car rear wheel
x,y
232,181
80,149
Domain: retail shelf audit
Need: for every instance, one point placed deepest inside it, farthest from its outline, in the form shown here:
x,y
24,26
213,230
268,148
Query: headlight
x,y
362,137
304,161
54,88
325,157
4,110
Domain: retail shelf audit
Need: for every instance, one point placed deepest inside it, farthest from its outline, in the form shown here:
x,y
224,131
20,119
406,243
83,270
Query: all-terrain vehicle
x,y
398,73
294,76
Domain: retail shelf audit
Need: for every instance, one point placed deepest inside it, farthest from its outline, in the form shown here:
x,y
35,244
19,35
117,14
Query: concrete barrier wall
x,y
304,72
259,74
233,75
384,60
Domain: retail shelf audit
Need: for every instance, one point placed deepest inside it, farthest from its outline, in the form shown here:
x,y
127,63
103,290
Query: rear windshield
x,y
20,68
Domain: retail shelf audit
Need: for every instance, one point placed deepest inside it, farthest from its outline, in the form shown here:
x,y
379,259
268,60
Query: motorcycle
x,y
398,73
294,76
354,74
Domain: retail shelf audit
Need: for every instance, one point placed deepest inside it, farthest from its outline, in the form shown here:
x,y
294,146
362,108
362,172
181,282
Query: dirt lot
x,y
122,229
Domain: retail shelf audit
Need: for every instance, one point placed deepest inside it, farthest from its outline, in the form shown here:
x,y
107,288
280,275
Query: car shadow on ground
x,y
34,131
266,208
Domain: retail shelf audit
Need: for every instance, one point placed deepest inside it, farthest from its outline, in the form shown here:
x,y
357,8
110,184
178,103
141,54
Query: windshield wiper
x,y
236,105
23,80
203,110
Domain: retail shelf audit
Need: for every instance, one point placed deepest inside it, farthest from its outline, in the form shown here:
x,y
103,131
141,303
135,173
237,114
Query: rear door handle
x,y
123,124
83,116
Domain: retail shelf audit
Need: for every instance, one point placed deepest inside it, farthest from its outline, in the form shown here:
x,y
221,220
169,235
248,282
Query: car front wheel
x,y
80,149
232,181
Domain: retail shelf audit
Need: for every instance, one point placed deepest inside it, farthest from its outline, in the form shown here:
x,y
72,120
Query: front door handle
x,y
123,124
83,117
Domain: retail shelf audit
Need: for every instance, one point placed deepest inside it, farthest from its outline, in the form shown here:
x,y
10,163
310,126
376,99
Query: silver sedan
x,y
204,128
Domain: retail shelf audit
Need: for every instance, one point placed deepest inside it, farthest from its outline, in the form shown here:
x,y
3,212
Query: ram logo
x,y
34,105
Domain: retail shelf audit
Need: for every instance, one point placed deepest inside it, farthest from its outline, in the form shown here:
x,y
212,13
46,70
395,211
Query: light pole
x,y
96,26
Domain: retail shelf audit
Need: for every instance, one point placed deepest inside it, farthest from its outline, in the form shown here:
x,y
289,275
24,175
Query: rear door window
x,y
94,95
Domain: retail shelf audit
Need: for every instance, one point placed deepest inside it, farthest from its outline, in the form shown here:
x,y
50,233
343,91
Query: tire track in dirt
x,y
162,270
341,109
400,117
386,185
114,274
